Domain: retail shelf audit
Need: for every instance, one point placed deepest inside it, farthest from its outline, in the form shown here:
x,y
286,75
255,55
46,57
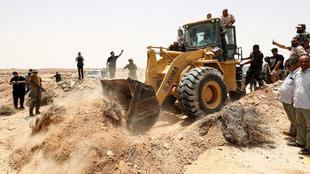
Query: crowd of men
x,y
22,85
32,82
111,66
295,90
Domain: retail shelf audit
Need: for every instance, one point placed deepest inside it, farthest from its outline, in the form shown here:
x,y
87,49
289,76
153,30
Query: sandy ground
x,y
174,145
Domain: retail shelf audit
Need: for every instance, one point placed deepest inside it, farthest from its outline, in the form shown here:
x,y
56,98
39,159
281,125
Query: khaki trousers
x,y
291,115
303,126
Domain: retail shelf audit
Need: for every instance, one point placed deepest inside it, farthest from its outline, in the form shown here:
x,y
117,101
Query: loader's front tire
x,y
202,91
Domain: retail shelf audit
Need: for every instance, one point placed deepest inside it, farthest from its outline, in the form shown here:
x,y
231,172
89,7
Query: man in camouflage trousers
x,y
132,70
35,94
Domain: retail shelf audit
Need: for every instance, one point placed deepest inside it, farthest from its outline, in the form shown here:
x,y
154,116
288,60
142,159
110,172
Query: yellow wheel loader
x,y
198,80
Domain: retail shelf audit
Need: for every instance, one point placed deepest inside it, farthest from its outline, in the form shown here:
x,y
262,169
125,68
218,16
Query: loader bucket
x,y
138,99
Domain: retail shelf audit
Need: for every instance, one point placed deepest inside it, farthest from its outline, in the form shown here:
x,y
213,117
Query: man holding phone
x,y
18,83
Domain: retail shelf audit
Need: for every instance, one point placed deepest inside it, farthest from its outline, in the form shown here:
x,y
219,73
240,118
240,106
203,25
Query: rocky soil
x,y
77,134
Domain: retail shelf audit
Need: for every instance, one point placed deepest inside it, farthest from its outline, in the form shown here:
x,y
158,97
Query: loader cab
x,y
207,33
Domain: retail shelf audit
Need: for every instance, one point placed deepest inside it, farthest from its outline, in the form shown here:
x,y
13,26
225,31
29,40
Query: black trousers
x,y
80,69
112,73
252,76
18,95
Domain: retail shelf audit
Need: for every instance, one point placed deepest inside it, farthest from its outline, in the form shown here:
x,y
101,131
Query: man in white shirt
x,y
287,94
302,103
227,19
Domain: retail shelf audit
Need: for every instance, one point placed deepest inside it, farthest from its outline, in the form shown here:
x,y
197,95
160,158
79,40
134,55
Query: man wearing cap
x,y
111,63
132,70
275,65
256,63
35,93
18,83
287,94
302,34
296,48
302,103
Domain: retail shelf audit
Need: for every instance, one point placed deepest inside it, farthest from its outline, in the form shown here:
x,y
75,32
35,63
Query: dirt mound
x,y
91,140
76,84
53,115
244,125
88,141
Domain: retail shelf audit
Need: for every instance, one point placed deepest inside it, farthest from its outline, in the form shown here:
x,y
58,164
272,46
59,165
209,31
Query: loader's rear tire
x,y
202,91
239,92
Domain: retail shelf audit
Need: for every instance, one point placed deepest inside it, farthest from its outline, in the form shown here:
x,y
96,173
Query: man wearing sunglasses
x,y
286,98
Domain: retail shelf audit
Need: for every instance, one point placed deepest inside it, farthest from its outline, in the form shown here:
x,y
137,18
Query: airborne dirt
x,y
82,132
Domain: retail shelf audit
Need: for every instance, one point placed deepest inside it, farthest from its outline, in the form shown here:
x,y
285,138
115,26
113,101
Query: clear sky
x,y
49,33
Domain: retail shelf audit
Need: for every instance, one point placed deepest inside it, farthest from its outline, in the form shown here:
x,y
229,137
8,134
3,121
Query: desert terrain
x,y
84,133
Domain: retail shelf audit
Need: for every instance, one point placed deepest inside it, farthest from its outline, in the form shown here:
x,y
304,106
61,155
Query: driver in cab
x,y
205,41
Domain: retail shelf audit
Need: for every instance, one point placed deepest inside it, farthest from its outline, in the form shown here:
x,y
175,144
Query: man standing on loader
x,y
132,70
227,19
256,63
111,63
35,93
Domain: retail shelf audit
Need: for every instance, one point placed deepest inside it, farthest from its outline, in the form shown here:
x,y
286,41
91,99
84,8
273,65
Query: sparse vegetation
x,y
7,110
243,125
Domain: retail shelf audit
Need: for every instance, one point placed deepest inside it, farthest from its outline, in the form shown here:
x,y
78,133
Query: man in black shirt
x,y
256,63
80,63
57,77
18,83
111,63
275,65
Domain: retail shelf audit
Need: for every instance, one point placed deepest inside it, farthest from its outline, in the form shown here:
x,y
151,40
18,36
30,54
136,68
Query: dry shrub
x,y
53,115
46,99
243,125
7,110
112,109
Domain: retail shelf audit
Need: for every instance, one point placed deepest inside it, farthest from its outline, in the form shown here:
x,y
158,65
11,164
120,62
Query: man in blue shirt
x,y
27,84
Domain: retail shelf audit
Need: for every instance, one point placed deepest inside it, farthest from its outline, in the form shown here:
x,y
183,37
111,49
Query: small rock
x,y
219,149
109,153
135,166
301,157
267,157
166,146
